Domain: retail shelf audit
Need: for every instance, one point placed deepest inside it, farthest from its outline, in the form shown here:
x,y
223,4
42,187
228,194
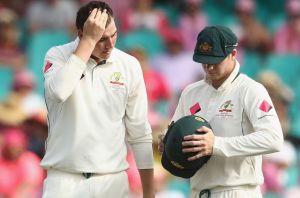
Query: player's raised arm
x,y
92,32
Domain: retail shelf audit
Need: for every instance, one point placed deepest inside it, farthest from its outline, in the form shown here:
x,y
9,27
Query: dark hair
x,y
84,12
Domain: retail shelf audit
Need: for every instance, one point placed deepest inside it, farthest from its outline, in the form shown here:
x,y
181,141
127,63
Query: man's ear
x,y
234,53
79,34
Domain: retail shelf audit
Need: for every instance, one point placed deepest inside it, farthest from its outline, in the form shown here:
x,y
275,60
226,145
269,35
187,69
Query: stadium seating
x,y
251,64
294,112
287,66
146,39
6,76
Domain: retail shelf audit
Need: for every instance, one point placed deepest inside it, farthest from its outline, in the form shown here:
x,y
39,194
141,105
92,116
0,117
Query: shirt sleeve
x,y
267,136
143,154
61,74
136,115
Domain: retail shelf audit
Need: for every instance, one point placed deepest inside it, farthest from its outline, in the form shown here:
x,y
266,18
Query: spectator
x,y
118,6
192,21
281,95
287,38
158,92
176,64
21,175
11,54
52,15
157,87
11,113
22,101
143,15
276,165
36,129
24,84
252,35
19,6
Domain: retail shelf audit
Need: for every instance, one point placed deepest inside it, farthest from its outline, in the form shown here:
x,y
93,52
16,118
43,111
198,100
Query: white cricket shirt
x,y
91,108
245,125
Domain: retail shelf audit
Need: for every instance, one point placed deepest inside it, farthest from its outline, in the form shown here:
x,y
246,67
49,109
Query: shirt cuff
x,y
143,154
217,146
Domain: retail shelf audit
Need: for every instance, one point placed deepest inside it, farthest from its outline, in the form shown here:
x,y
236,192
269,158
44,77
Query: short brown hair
x,y
84,12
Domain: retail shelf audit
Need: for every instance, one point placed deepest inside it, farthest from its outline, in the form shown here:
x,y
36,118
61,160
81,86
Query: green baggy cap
x,y
214,43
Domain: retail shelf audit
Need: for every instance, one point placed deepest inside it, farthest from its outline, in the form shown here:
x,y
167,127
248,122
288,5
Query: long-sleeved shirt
x,y
91,108
245,125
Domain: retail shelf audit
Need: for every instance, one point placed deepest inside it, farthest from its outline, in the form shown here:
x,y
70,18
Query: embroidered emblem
x,y
176,164
205,47
195,108
48,65
117,78
199,119
226,106
265,106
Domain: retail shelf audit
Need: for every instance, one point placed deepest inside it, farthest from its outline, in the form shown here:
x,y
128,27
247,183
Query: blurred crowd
x,y
161,34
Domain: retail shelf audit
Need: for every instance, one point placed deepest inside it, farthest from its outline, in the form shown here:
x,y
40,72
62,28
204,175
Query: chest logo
x,y
117,78
226,107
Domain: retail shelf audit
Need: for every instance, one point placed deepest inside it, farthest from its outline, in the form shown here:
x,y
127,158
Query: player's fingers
x,y
93,14
161,137
191,149
192,143
195,157
103,17
193,137
198,155
98,15
203,129
161,148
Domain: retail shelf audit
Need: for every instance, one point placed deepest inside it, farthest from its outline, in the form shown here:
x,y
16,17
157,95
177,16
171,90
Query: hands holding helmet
x,y
201,144
187,146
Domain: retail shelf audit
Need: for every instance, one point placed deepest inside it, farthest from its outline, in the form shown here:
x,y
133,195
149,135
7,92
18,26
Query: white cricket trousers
x,y
246,191
60,184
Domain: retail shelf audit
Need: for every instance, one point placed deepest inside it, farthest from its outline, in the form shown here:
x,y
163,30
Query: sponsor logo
x,y
226,106
176,164
116,78
225,109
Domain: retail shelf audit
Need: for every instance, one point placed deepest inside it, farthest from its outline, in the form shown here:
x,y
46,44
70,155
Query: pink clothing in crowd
x,y
20,172
190,27
287,41
24,171
150,19
156,86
